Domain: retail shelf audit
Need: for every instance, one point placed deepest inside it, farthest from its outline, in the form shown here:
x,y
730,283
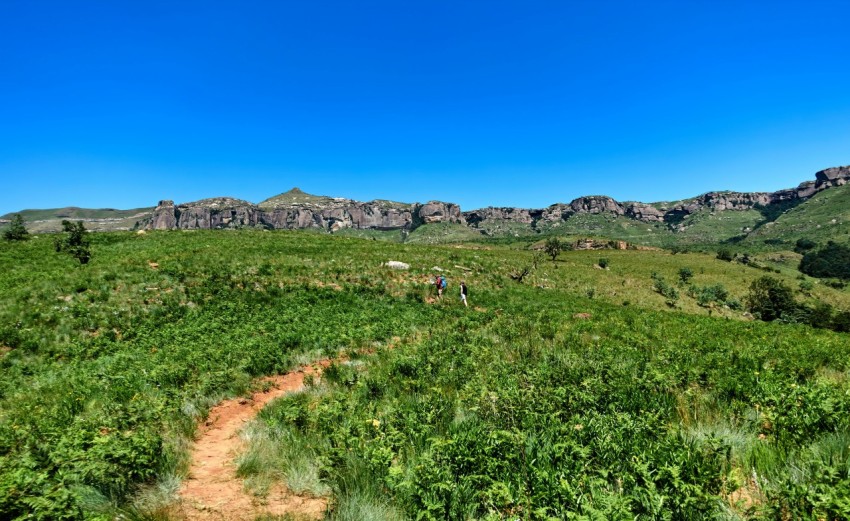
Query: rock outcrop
x,y
835,176
299,210
296,209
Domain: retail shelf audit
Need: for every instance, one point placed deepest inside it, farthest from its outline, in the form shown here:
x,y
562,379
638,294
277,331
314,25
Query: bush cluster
x,y
770,299
831,261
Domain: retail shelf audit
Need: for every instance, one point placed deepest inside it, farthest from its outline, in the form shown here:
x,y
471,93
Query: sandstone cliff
x,y
295,209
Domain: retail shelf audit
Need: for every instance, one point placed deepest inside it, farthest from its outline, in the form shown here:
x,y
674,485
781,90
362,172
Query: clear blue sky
x,y
524,103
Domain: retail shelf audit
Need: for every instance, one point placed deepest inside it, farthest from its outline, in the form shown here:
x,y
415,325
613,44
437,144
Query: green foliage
x,y
16,231
725,254
708,296
553,247
537,403
75,243
771,299
669,292
607,420
603,263
685,275
833,260
803,245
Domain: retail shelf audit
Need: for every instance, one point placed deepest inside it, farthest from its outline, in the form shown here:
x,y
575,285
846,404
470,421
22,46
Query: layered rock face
x,y
835,176
330,215
516,215
295,209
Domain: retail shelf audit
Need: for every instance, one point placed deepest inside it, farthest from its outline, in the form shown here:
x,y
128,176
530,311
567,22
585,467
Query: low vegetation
x,y
831,261
582,393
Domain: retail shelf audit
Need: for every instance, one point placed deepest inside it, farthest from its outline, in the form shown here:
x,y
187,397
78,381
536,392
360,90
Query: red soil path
x,y
212,491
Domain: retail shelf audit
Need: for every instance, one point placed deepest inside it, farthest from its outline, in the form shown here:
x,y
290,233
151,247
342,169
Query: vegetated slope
x,y
824,217
104,219
551,408
520,402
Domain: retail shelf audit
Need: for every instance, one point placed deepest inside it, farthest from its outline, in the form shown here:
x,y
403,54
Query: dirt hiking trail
x,y
212,491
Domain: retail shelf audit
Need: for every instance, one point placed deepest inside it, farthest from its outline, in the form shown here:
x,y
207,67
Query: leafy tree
x,y
833,260
725,255
553,247
685,275
75,243
803,245
17,231
771,299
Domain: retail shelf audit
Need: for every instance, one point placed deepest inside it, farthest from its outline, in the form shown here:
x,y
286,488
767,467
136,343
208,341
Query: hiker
x,y
463,293
438,281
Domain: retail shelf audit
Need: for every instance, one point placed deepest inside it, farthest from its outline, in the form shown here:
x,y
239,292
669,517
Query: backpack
x,y
443,282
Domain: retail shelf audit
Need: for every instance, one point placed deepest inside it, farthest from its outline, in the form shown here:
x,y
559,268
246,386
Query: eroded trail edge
x,y
212,490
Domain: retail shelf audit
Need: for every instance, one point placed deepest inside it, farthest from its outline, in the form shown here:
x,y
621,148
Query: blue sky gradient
x,y
120,104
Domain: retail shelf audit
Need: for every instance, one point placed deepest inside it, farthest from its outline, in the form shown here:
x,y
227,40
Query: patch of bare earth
x,y
212,490
747,498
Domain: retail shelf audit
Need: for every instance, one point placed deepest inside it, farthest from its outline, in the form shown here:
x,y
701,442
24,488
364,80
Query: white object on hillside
x,y
396,265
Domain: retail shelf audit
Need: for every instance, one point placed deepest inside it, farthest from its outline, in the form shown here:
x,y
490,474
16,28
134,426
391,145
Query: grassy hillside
x,y
579,392
41,221
824,217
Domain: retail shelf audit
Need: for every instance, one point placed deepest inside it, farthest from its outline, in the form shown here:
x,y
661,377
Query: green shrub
x,y
803,245
770,299
670,293
75,243
841,322
685,275
17,231
819,315
725,255
833,260
806,286
603,263
708,295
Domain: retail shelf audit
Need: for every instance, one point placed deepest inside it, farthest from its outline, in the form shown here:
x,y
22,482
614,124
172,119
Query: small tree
x,y
76,244
725,255
685,275
803,245
17,231
770,299
553,247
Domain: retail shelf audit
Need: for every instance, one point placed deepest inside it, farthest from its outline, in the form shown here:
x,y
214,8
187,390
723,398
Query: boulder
x,y
835,176
436,212
397,265
596,204
643,212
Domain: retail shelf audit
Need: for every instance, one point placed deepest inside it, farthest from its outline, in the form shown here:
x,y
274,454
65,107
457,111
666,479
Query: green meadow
x,y
583,392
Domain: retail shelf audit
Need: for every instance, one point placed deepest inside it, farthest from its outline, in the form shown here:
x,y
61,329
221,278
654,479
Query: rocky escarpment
x,y
670,213
296,210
